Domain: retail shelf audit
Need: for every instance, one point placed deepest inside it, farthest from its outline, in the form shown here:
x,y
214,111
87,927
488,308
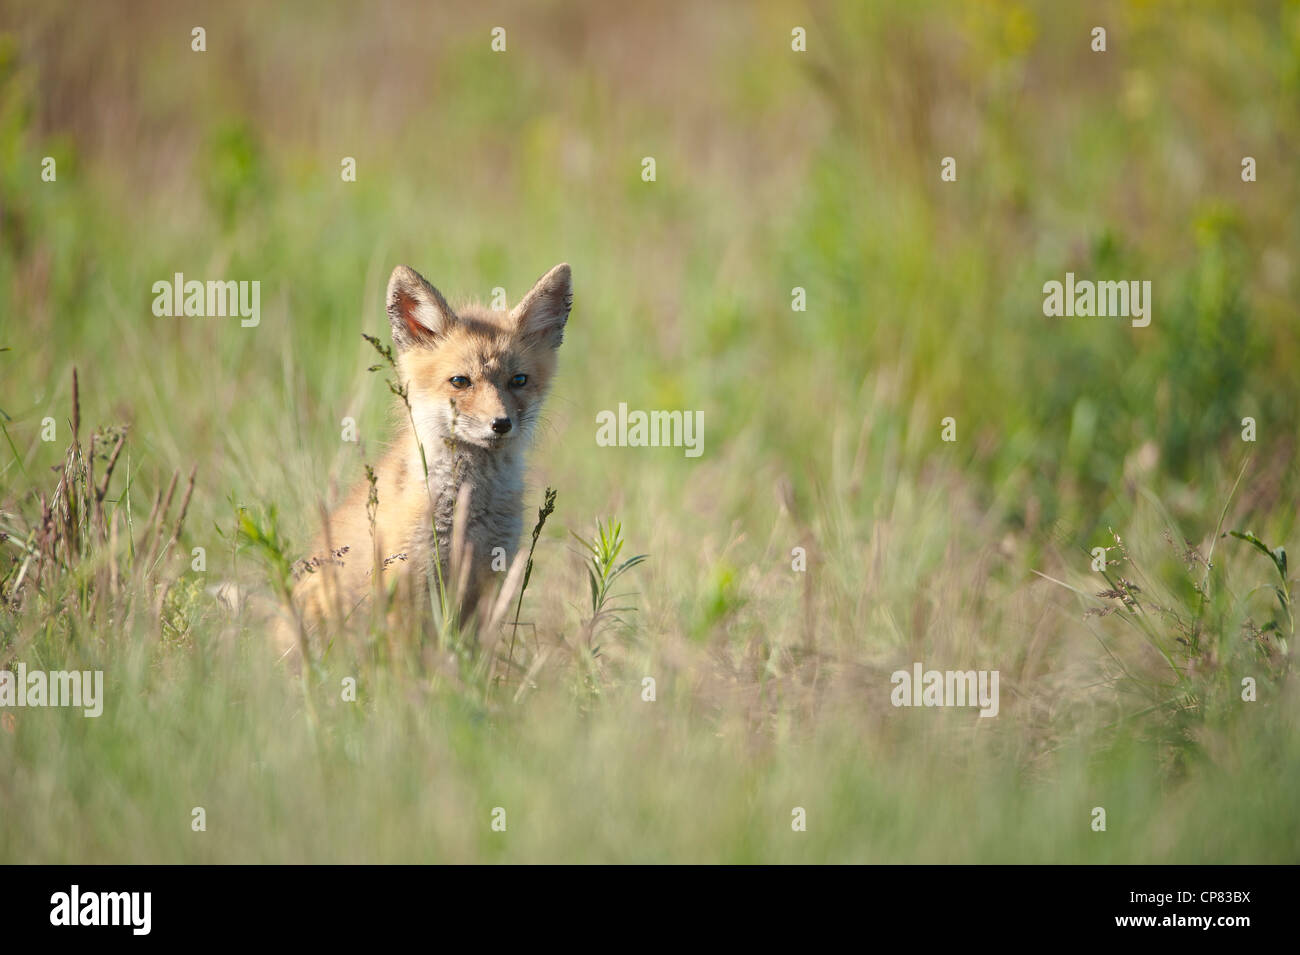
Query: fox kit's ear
x,y
417,312
543,311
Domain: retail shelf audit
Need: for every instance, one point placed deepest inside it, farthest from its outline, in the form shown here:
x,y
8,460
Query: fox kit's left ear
x,y
544,311
416,310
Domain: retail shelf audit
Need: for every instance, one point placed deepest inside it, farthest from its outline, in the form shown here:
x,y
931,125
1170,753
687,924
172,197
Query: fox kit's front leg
x,y
473,382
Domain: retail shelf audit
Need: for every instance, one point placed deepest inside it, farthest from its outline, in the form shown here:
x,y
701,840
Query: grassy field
x,y
823,428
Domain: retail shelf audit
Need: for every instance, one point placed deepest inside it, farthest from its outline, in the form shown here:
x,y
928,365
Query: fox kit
x,y
475,380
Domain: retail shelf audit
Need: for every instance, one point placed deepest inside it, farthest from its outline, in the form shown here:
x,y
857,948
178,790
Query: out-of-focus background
x,y
775,169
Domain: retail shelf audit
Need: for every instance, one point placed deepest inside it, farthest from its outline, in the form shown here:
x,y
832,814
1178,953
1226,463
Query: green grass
x,y
822,430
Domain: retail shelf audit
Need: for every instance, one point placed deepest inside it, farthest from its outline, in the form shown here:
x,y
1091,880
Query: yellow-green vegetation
x,y
775,170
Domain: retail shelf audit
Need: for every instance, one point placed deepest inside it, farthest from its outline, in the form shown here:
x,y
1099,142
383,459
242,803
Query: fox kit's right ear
x,y
544,311
416,310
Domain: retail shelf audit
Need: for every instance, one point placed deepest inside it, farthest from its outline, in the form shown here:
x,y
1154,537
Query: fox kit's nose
x,y
501,425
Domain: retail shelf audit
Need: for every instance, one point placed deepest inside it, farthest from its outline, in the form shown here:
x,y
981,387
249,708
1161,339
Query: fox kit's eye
x,y
518,381
459,381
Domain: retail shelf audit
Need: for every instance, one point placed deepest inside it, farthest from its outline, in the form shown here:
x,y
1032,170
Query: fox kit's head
x,y
476,376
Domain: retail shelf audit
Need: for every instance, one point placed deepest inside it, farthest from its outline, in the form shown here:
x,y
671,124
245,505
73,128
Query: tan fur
x,y
467,459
